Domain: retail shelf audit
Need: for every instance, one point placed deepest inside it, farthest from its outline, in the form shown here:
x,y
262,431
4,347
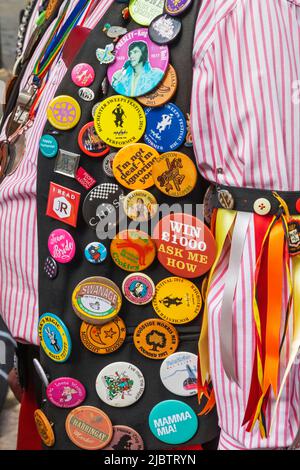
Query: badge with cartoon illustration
x,y
66,392
90,143
55,338
294,237
95,252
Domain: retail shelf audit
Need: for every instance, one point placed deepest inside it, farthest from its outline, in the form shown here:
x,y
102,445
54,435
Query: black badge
x,y
164,29
50,267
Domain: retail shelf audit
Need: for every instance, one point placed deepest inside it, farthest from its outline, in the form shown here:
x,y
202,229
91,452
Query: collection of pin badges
x,y
144,82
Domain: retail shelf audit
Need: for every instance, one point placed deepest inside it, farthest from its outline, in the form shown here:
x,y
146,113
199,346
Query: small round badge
x,y
155,338
173,422
107,164
66,392
90,143
178,373
177,300
175,7
138,288
139,66
83,75
125,438
61,246
48,146
96,300
120,384
164,92
50,267
86,94
89,428
164,29
44,428
143,11
103,339
132,250
55,338
95,252
166,127
63,112
119,121
140,205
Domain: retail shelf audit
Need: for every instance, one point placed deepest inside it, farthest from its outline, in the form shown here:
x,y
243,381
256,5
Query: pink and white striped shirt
x,y
246,128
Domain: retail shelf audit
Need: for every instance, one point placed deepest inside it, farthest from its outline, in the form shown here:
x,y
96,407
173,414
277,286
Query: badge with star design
x,y
103,339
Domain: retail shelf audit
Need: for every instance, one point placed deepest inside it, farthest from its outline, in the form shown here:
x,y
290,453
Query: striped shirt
x,y
246,129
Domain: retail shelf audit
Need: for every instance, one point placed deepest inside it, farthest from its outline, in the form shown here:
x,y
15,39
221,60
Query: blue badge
x,y
166,127
55,338
48,146
95,252
173,422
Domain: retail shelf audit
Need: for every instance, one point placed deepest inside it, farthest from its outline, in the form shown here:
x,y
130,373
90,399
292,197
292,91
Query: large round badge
x,y
173,422
174,174
63,112
176,7
166,127
44,428
125,438
48,146
178,373
120,384
55,338
90,143
89,428
177,300
138,288
132,250
96,300
155,338
66,392
164,92
143,11
132,166
103,339
61,246
119,121
140,205
95,252
164,29
185,245
140,64
83,75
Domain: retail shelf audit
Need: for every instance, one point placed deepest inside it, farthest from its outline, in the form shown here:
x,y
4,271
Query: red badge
x,y
185,246
84,178
63,204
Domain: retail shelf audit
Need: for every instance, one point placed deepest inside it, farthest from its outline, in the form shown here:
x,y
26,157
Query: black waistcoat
x,y
55,295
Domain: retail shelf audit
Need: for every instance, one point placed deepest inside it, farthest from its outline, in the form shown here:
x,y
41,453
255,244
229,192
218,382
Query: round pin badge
x,y
96,300
177,7
55,337
83,75
132,250
103,339
63,112
50,267
173,422
66,392
207,204
132,166
178,373
86,94
143,11
185,245
174,174
119,121
140,205
44,428
107,164
139,66
155,338
61,246
164,29
120,384
90,143
177,300
138,288
95,252
164,92
94,109
48,146
166,127
125,438
89,428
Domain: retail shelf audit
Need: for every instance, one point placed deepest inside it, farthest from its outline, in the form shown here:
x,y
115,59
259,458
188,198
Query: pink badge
x,y
61,246
84,178
83,75
66,392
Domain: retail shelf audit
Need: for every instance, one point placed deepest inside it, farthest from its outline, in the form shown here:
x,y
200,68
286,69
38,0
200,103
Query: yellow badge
x,y
44,428
63,112
155,338
133,250
119,121
140,205
177,300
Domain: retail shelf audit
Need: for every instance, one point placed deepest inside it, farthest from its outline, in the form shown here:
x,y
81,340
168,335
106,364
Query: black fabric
x,y
55,296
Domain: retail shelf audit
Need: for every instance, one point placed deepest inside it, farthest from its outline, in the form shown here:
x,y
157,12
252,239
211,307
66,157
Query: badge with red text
x,y
63,204
185,246
66,392
61,246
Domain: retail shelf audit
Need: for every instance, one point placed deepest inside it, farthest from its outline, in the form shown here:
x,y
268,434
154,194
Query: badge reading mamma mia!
x,y
140,64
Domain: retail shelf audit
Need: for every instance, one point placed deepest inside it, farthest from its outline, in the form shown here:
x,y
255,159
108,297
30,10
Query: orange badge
x,y
133,250
44,428
155,338
164,92
103,339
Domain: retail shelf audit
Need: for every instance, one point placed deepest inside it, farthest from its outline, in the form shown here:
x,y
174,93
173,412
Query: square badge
x,y
63,204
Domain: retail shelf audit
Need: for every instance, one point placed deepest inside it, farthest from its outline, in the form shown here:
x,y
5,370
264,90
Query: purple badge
x,y
66,392
61,246
176,7
140,64
83,75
